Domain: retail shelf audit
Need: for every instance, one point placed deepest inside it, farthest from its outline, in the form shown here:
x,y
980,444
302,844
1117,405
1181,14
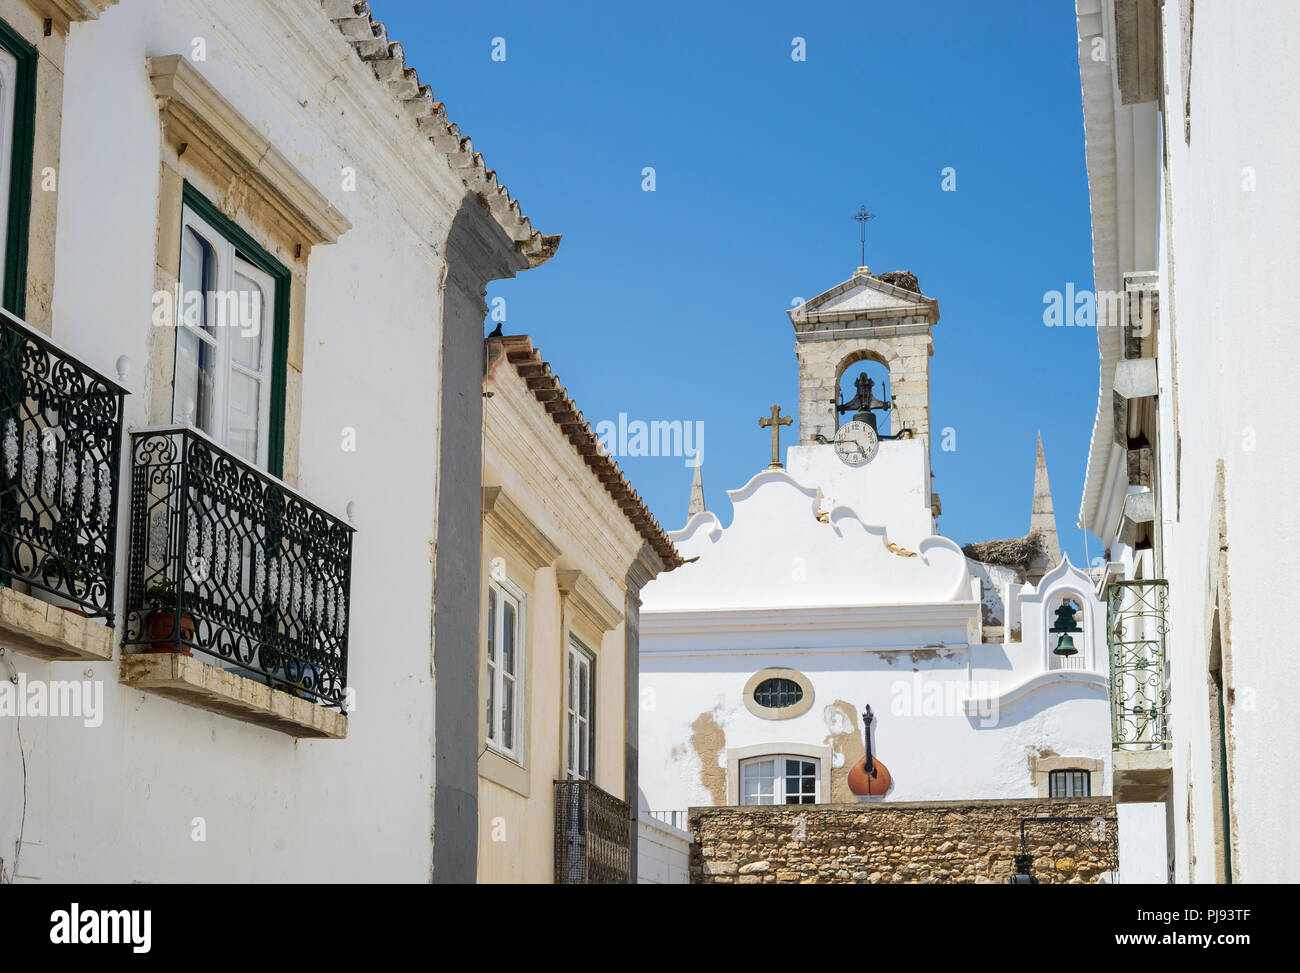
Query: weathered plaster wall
x,y
967,842
118,802
694,714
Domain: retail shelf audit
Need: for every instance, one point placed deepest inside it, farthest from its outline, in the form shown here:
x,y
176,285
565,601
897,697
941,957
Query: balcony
x,y
60,445
593,836
237,596
1137,627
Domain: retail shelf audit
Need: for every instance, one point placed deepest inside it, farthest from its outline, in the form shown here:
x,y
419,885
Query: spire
x,y
1043,518
697,493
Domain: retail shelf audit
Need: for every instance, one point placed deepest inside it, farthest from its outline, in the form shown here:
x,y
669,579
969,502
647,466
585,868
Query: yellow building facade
x,y
566,546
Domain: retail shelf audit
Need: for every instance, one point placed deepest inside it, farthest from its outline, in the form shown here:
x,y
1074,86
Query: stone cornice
x,y
901,304
66,12
528,540
643,570
195,115
829,618
582,594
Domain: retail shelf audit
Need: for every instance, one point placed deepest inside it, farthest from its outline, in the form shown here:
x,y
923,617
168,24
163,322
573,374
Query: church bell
x,y
1065,624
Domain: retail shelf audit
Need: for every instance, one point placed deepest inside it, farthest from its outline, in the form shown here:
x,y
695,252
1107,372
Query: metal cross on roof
x,y
776,422
862,216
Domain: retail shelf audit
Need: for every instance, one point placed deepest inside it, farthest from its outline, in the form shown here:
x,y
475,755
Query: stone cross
x,y
776,422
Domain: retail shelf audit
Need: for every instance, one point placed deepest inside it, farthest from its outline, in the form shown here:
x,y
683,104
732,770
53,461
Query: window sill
x,y
504,771
208,687
35,627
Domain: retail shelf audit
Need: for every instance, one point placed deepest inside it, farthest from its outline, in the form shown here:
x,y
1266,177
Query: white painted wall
x,y
663,853
1143,846
116,803
865,624
1237,359
1218,224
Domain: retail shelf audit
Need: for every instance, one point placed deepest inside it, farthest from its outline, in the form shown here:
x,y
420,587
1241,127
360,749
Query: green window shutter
x,y
20,170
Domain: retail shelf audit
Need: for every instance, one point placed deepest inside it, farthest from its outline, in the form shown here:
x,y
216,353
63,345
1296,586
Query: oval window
x,y
777,693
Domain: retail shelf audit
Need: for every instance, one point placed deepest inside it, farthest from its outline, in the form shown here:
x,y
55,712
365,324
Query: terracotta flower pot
x,y
160,627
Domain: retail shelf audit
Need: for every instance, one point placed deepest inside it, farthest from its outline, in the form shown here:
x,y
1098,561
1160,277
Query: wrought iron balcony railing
x,y
60,446
1137,626
228,561
593,836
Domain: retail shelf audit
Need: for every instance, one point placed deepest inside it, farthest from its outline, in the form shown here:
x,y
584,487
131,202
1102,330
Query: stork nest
x,y
1013,552
901,278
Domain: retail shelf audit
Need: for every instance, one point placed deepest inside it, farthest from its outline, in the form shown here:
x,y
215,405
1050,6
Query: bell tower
x,y
882,318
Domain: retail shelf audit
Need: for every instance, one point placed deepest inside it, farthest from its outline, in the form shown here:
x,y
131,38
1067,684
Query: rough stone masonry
x,y
971,842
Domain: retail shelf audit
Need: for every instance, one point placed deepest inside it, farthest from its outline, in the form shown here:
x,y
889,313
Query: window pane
x,y
508,714
492,625
198,280
196,378
247,320
573,743
508,639
582,687
584,748
245,406
777,693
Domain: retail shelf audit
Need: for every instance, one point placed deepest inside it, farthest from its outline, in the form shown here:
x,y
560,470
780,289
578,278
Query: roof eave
x,y
369,40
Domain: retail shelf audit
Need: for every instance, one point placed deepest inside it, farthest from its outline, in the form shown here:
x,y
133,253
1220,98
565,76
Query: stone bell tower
x,y
883,318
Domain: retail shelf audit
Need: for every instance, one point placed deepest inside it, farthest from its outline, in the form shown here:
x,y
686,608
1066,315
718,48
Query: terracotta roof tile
x,y
369,38
546,388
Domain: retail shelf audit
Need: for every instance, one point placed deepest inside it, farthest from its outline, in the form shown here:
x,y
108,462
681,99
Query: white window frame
x,y
1069,781
8,110
780,776
227,262
501,592
579,727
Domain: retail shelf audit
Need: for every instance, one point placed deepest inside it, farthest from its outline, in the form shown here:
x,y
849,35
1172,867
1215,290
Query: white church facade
x,y
831,591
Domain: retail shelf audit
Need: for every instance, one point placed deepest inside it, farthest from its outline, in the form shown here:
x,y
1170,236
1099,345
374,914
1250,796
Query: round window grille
x,y
777,693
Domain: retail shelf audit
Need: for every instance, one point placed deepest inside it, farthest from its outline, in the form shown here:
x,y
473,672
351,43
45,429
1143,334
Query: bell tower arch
x,y
885,319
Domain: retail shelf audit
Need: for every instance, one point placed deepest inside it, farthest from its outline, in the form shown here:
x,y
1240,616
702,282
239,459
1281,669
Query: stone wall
x,y
882,843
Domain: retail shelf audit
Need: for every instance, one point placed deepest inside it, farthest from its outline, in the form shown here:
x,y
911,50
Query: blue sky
x,y
671,304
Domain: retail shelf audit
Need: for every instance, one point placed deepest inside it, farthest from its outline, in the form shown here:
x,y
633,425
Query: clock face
x,y
856,442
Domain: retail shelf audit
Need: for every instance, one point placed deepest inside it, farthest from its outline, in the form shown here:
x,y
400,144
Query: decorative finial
x,y
697,492
352,512
123,368
863,217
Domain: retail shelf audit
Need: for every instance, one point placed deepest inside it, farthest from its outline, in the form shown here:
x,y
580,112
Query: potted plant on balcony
x,y
60,575
160,624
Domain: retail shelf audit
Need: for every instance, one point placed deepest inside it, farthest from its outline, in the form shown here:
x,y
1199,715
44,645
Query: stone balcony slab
x,y
35,627
196,683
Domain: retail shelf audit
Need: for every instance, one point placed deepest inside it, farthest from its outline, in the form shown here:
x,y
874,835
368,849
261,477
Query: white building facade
x,y
262,529
830,591
1193,204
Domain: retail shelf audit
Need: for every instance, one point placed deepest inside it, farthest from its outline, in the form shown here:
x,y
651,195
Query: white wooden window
x,y
505,668
780,779
8,107
580,710
223,341
1069,783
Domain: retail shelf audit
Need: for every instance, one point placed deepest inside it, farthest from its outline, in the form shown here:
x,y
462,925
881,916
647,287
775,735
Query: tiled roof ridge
x,y
369,39
546,388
